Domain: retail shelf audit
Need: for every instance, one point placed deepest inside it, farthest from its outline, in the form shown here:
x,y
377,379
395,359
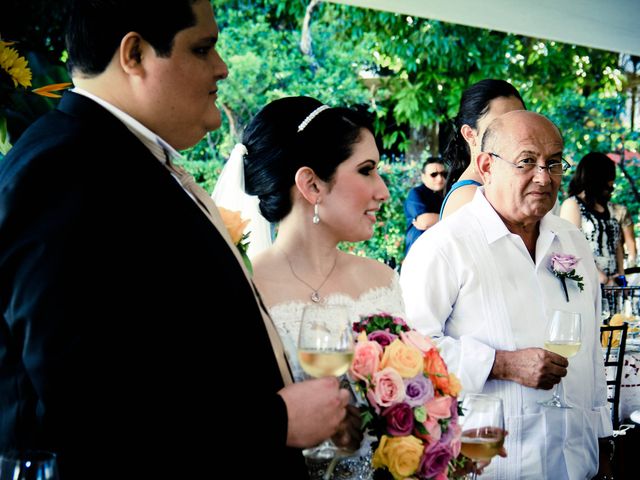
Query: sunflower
x,y
15,65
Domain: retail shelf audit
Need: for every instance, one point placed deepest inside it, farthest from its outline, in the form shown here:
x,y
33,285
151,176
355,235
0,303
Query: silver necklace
x,y
315,292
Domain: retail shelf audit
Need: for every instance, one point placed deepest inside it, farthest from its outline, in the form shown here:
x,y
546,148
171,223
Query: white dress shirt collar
x,y
495,229
491,223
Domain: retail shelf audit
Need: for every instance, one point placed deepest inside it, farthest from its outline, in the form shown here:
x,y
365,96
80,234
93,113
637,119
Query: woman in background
x,y
479,105
589,209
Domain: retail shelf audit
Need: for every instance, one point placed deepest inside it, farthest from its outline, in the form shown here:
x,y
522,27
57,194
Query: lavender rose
x,y
383,337
563,262
454,411
399,419
435,460
419,390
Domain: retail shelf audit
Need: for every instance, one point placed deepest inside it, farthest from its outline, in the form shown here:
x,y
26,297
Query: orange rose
x,y
436,369
454,386
234,223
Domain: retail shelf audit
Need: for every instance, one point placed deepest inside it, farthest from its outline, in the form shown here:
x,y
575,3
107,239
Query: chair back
x,y
614,339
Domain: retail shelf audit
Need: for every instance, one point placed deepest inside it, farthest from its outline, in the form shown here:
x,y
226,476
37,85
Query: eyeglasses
x,y
443,174
528,164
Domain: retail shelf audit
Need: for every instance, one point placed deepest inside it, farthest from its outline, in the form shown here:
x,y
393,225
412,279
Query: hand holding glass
x,y
563,336
482,427
325,348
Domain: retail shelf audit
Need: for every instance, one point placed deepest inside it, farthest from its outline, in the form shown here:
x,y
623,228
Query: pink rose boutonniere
x,y
235,225
563,266
410,398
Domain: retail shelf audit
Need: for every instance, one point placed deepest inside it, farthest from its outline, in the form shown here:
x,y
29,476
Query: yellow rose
x,y
234,223
402,455
379,458
406,360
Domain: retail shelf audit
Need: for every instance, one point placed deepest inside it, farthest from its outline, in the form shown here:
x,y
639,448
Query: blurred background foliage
x,y
408,72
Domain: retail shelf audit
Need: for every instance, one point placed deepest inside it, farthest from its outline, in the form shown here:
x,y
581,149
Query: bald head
x,y
508,120
520,137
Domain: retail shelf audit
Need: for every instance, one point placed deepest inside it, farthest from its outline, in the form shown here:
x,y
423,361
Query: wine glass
x,y
325,348
563,336
28,465
482,424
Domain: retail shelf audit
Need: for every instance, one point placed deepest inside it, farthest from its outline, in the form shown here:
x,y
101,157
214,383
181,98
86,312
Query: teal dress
x,y
455,186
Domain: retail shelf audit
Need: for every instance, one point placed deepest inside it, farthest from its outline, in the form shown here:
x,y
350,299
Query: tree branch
x,y
305,39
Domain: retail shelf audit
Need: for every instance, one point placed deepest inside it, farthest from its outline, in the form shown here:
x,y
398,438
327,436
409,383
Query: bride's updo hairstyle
x,y
279,142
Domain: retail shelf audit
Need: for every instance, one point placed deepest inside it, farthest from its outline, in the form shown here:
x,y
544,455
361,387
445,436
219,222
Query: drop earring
x,y
316,217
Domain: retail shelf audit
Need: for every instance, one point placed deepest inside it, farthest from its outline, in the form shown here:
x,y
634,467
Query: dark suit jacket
x,y
112,283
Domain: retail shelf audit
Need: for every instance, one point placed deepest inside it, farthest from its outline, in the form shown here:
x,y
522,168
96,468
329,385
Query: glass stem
x,y
556,394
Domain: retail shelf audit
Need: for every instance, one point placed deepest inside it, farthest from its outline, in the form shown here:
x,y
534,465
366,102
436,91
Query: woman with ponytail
x,y
479,105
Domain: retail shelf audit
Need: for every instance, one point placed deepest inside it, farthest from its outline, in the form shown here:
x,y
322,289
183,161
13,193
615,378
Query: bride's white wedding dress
x,y
287,317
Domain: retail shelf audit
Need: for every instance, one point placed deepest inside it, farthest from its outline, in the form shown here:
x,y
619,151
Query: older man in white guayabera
x,y
495,294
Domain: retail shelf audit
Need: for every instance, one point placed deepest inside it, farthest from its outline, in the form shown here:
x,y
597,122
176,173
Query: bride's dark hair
x,y
276,149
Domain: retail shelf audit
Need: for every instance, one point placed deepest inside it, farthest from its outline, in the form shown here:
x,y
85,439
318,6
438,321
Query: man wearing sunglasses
x,y
422,206
480,283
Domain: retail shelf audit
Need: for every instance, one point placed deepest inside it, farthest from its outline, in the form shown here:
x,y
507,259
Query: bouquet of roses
x,y
411,404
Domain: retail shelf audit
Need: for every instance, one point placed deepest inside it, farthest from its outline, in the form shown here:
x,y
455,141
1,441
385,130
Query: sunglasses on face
x,y
443,174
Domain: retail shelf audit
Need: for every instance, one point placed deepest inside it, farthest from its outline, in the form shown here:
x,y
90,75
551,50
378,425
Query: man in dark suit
x,y
113,276
422,206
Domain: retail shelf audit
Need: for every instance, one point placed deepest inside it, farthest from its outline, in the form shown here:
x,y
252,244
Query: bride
x,y
314,170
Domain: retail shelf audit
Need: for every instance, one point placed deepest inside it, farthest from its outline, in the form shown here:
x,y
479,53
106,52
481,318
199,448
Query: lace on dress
x,y
287,318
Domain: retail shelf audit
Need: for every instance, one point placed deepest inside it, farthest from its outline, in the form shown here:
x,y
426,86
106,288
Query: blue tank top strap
x,y
455,186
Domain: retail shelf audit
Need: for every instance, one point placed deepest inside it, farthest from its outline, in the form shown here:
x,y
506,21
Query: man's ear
x,y
131,53
469,134
484,163
307,184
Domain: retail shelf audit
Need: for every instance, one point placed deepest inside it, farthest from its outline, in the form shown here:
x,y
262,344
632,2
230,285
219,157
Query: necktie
x,y
205,203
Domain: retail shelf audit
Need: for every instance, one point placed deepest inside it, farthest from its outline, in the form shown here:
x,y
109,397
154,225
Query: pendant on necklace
x,y
315,296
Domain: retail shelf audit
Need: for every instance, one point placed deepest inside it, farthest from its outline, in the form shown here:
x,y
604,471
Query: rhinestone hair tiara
x,y
311,116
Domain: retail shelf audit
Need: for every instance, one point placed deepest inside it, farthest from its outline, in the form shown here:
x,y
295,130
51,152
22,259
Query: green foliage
x,y
594,123
24,106
417,70
261,46
425,65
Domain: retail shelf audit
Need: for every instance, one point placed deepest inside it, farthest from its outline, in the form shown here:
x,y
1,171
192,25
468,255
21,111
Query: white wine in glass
x,y
482,424
325,349
564,337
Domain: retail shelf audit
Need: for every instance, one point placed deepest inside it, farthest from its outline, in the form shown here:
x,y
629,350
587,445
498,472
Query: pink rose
x,y
452,437
415,339
563,262
434,431
388,387
439,407
366,360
